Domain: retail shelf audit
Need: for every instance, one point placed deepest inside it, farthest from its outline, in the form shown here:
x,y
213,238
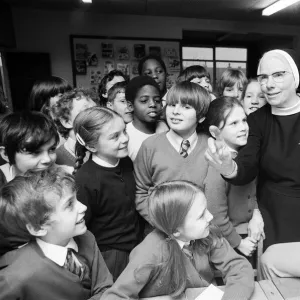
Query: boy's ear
x,y
3,153
212,132
67,124
201,120
36,232
109,105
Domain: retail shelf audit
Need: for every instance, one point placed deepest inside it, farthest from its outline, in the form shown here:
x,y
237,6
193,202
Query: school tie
x,y
72,264
185,145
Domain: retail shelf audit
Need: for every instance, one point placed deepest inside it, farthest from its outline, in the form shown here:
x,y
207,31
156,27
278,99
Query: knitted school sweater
x,y
64,157
158,161
142,278
109,195
33,276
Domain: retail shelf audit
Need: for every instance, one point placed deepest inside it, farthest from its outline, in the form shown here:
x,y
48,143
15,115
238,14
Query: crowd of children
x,y
110,196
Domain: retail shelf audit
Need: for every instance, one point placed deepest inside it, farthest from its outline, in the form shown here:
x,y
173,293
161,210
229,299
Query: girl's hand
x,y
247,246
256,226
218,153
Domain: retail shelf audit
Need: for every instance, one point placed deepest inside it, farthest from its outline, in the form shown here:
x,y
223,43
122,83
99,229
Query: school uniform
x,y
65,153
108,192
233,206
142,277
159,161
38,272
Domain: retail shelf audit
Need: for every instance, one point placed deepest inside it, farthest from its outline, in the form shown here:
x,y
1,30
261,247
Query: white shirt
x,y
136,138
182,244
176,140
56,253
103,163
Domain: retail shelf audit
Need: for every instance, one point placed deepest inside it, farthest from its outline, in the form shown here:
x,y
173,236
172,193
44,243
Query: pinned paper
x,y
211,292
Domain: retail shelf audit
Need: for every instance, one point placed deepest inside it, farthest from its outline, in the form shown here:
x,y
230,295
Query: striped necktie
x,y
185,145
73,265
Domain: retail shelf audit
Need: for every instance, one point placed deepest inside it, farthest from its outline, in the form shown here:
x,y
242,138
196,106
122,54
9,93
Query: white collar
x,y
56,253
176,140
182,244
70,146
102,162
286,111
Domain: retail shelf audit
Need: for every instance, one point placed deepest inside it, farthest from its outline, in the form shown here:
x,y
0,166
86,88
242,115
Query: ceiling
x,y
233,10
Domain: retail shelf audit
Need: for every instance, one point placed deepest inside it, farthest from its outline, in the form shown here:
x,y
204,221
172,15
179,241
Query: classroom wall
x,y
48,31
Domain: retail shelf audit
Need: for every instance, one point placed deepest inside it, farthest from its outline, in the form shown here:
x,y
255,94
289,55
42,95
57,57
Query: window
x,y
215,59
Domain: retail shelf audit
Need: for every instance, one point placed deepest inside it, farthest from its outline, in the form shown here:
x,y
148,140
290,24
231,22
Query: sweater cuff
x,y
234,239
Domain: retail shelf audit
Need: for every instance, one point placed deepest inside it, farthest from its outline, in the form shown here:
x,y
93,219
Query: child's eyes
x,y
70,204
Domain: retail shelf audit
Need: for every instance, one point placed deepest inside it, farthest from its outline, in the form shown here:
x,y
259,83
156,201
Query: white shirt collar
x,y
176,140
286,111
102,162
182,244
56,253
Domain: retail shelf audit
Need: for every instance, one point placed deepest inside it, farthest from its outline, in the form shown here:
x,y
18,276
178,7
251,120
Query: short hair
x,y
119,87
26,131
136,83
193,72
245,88
29,199
148,57
63,107
44,89
219,111
230,77
192,94
107,78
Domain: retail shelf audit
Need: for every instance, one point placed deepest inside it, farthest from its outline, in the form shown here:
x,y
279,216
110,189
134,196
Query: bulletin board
x,y
94,56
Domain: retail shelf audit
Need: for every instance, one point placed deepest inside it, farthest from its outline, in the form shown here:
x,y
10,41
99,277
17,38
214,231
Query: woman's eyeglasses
x,y
278,77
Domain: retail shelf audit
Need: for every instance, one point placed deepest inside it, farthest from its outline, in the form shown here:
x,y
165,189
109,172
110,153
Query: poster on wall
x,y
155,50
81,51
80,67
139,50
124,68
95,76
109,65
93,57
107,50
122,53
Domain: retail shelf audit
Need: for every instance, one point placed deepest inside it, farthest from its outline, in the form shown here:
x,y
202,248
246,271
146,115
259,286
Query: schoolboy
x,y
28,141
64,113
144,94
62,260
107,82
116,101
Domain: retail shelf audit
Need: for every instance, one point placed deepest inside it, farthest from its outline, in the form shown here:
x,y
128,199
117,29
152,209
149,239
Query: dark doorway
x,y
23,70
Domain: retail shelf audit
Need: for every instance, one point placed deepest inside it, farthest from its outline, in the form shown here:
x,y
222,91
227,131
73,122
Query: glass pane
x,y
222,66
208,65
197,53
233,54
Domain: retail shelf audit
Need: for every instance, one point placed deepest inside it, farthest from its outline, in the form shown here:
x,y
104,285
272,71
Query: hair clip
x,y
80,140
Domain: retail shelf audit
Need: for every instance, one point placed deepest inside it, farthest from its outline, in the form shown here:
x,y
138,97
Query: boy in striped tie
x,y
62,260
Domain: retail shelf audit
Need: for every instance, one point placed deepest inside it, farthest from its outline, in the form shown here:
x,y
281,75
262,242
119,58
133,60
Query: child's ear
x,y
176,234
201,120
109,105
67,124
212,130
36,232
3,153
91,149
105,95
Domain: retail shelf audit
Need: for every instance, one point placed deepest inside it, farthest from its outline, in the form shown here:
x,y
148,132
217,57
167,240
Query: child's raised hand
x,y
218,153
247,246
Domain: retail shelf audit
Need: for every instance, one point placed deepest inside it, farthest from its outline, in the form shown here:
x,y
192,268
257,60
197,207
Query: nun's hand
x,y
218,154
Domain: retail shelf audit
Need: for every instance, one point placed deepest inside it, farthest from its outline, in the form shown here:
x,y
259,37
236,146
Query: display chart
x,y
94,56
